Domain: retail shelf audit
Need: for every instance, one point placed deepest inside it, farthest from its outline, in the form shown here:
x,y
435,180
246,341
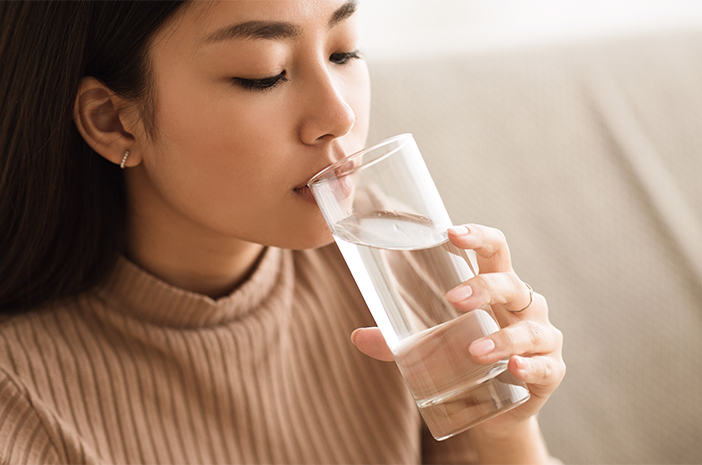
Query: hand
x,y
527,338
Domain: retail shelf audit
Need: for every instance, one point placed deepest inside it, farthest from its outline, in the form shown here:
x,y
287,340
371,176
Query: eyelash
x,y
270,82
343,58
261,84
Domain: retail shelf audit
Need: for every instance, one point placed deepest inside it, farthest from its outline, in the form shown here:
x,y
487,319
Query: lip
x,y
336,156
303,188
343,187
355,161
305,183
306,193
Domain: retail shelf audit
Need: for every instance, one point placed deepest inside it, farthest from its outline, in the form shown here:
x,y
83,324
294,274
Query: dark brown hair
x,y
62,206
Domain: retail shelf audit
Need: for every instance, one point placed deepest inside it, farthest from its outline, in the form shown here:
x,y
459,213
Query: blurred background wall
x,y
398,28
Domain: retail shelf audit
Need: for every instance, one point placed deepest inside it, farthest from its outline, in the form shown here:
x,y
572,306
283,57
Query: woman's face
x,y
252,98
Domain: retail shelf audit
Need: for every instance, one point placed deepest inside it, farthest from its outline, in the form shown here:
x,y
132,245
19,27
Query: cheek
x,y
210,151
216,133
204,121
359,98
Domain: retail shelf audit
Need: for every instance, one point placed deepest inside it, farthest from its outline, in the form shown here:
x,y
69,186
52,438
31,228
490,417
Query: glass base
x,y
447,416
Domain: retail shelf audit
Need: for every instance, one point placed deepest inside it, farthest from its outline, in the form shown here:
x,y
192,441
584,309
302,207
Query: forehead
x,y
201,19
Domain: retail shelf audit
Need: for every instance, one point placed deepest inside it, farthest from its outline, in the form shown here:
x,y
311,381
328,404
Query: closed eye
x,y
343,58
260,84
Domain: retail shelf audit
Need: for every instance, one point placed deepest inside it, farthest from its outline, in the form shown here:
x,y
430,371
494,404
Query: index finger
x,y
489,244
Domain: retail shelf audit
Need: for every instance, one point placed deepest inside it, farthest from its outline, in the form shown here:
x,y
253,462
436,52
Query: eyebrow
x,y
346,10
255,30
273,30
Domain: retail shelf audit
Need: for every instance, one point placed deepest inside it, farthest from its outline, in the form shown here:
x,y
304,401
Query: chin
x,y
300,234
313,241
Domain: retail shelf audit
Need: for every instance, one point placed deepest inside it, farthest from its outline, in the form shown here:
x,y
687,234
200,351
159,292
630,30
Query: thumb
x,y
371,342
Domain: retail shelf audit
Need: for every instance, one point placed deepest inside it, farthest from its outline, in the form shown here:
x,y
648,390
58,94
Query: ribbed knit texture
x,y
141,372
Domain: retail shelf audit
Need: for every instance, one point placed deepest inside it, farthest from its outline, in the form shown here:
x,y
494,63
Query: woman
x,y
188,308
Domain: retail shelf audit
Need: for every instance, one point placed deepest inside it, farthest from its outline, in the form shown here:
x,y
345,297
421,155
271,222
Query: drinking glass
x,y
390,224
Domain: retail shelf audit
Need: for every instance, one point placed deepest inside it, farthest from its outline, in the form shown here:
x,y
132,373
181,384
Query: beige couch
x,y
588,155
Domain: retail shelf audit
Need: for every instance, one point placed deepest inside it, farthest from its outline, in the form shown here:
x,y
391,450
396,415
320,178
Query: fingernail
x,y
459,294
521,362
354,334
482,347
459,230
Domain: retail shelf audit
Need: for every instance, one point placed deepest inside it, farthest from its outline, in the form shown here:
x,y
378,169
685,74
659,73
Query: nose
x,y
326,113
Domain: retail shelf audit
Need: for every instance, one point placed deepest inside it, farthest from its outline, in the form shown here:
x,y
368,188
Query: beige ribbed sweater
x,y
141,372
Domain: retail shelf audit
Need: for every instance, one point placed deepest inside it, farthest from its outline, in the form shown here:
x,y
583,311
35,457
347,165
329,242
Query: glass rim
x,y
324,174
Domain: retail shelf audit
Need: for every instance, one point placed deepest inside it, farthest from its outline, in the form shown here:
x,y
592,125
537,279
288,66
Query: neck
x,y
194,267
186,255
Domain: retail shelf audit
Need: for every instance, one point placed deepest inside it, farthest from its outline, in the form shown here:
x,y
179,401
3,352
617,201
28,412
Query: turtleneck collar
x,y
145,297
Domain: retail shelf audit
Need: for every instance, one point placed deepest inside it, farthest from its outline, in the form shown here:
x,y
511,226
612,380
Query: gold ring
x,y
531,299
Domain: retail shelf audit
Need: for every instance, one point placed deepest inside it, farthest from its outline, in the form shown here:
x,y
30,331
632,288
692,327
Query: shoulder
x,y
25,338
18,336
32,428
25,436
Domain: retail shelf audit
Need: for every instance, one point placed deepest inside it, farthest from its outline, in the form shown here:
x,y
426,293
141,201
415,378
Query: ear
x,y
101,118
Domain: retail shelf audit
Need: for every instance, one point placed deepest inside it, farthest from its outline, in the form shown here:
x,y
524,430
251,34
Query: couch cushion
x,y
588,156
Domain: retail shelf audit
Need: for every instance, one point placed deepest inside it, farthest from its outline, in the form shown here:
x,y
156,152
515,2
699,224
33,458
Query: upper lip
x,y
337,155
304,184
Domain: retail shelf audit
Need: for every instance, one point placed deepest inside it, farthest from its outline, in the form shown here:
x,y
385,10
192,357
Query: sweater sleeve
x,y
24,438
